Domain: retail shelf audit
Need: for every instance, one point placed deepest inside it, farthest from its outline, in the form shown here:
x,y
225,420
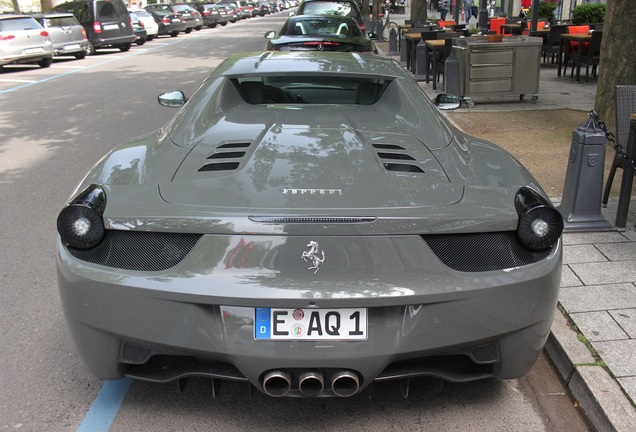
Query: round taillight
x,y
44,33
540,224
80,223
80,227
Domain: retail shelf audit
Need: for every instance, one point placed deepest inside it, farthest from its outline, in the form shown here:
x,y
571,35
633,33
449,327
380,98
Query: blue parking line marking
x,y
101,63
105,407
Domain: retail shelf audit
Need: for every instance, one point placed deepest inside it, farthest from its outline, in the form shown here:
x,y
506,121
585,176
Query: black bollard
x,y
393,51
421,58
404,51
583,189
451,75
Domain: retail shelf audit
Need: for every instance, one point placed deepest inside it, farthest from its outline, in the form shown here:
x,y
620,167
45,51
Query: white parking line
x,y
17,81
68,67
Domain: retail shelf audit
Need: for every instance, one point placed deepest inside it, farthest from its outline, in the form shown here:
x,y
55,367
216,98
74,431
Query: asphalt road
x,y
54,124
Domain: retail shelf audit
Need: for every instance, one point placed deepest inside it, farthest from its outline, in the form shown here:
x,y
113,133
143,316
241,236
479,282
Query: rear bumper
x,y
197,319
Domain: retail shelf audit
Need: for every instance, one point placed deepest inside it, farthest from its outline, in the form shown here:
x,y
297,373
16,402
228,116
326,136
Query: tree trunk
x,y
617,63
47,5
16,7
419,10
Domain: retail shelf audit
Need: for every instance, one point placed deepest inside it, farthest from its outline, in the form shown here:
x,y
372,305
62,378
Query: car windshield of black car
x,y
328,8
323,26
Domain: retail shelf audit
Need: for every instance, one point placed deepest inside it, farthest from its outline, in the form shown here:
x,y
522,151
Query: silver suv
x,y
66,33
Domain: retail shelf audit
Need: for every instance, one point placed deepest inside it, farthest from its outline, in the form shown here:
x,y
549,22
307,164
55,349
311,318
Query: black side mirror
x,y
445,101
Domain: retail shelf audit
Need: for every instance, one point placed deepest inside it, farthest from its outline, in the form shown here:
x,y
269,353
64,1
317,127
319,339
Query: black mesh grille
x,y
483,251
224,166
136,250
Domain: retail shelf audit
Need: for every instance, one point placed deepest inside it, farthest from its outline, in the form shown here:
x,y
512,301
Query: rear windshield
x,y
111,10
329,8
142,13
65,21
15,24
307,89
322,26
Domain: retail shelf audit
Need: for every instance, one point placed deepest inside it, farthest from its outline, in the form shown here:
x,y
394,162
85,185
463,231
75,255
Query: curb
x,y
597,392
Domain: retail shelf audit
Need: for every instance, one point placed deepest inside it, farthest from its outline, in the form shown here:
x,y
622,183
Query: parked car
x,y
24,40
151,26
107,23
310,224
168,22
192,17
140,31
211,14
320,33
348,8
242,8
232,11
66,34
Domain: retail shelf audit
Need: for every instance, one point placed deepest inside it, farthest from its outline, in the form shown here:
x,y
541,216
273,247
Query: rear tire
x,y
91,49
188,30
44,63
150,38
80,55
140,41
174,34
124,47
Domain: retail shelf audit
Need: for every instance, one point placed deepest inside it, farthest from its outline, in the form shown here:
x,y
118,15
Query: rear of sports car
x,y
308,258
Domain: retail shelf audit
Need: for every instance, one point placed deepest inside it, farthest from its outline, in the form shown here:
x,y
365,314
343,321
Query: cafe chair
x,y
590,56
495,25
625,106
572,46
552,43
440,61
444,24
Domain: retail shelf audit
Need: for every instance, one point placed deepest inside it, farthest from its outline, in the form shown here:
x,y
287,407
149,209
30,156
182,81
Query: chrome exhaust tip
x,y
276,383
345,383
311,383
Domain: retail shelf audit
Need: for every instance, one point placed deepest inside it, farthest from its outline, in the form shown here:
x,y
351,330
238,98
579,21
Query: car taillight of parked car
x,y
97,27
206,12
7,37
165,20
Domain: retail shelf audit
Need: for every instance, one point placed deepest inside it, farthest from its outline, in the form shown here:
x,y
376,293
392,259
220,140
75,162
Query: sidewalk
x,y
593,338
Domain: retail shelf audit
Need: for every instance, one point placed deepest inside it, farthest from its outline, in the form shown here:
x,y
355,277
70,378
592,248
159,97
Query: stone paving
x,y
593,339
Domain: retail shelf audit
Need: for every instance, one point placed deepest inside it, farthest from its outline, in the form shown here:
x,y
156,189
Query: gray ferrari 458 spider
x,y
309,224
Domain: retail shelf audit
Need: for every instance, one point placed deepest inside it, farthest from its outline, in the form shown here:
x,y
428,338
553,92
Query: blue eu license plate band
x,y
310,324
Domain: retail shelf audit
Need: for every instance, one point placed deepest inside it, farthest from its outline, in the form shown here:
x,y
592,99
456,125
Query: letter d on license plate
x,y
310,324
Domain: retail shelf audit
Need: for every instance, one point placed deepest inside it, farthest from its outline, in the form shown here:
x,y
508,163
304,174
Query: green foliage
x,y
546,10
588,13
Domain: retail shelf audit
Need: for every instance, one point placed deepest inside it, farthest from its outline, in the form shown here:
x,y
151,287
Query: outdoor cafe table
x,y
515,29
565,39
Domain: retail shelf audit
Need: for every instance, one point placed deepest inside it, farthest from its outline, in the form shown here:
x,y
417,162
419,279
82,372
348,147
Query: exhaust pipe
x,y
311,383
345,383
276,383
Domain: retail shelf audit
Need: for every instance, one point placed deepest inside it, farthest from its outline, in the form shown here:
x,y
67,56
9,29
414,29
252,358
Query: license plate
x,y
176,20
310,324
71,47
34,50
111,27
